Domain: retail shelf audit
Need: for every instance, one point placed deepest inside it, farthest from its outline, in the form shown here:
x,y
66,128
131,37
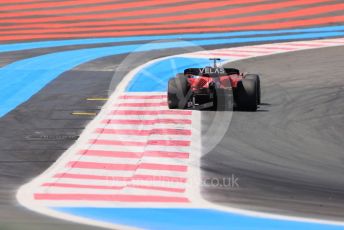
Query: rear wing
x,y
211,71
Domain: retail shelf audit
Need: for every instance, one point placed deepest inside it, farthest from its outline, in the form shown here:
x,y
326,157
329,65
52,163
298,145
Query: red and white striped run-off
x,y
266,49
138,152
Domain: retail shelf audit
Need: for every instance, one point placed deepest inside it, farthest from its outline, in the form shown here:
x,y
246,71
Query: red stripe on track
x,y
114,198
14,2
143,97
121,14
119,178
168,143
126,167
147,122
217,23
159,188
137,143
143,104
116,142
151,112
235,21
145,132
331,42
273,48
229,54
121,154
318,43
301,44
68,185
44,5
173,18
296,23
271,26
246,51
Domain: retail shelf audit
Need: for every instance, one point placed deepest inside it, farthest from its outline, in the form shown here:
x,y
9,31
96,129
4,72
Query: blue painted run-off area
x,y
180,219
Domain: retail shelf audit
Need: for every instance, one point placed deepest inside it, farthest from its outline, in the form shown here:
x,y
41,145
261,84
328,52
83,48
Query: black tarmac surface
x,y
288,157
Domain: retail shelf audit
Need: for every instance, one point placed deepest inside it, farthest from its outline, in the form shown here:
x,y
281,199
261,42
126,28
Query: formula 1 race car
x,y
214,87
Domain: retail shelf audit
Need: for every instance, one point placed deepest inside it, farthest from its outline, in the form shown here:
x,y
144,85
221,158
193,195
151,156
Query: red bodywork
x,y
202,82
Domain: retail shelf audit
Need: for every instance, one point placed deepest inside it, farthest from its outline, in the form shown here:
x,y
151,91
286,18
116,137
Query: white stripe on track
x,y
114,191
156,175
121,160
139,137
112,181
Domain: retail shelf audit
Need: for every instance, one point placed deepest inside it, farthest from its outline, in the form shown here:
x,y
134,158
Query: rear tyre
x,y
177,92
256,78
247,95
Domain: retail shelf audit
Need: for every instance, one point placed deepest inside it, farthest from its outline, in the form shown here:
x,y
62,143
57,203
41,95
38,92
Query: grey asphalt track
x,y
289,155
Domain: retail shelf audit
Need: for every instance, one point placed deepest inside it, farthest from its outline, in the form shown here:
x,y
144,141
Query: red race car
x,y
214,87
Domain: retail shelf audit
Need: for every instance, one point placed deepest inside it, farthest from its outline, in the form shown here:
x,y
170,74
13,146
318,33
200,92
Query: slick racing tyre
x,y
177,92
256,78
247,95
